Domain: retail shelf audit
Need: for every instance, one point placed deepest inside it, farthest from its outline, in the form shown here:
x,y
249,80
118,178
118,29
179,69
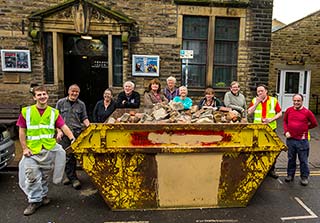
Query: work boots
x,y
32,207
76,184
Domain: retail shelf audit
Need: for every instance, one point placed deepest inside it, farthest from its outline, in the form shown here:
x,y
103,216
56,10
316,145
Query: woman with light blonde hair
x,y
186,101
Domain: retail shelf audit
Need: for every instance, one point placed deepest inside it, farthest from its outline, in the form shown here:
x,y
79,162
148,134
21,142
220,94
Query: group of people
x,y
233,99
46,132
129,98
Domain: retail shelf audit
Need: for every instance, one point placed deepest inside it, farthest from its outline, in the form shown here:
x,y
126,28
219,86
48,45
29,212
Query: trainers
x,y
288,178
273,174
66,181
45,200
304,181
32,207
76,184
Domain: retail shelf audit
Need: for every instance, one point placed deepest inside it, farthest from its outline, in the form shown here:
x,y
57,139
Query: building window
x,y
117,59
196,37
48,58
225,51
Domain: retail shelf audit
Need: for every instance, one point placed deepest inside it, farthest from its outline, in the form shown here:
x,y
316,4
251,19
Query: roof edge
x,y
38,16
231,3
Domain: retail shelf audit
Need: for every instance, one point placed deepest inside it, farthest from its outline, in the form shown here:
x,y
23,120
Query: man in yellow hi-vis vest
x,y
41,153
265,109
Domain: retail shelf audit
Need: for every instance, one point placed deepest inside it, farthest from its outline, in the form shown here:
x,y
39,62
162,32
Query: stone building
x,y
230,40
295,61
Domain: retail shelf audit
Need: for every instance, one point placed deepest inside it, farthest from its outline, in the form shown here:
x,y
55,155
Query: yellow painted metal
x,y
124,162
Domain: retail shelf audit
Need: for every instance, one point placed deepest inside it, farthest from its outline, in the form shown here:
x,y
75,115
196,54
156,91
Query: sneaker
x,y
45,200
304,181
32,207
273,174
66,181
76,184
288,178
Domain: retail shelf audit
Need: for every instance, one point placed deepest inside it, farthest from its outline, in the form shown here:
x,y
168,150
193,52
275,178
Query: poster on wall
x,y
16,60
145,65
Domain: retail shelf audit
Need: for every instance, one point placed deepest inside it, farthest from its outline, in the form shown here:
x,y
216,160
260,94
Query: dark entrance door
x,y
86,64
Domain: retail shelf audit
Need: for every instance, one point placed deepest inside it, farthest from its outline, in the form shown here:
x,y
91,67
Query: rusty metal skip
x,y
144,166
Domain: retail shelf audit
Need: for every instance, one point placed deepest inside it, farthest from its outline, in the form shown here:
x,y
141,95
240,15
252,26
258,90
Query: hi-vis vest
x,y
40,129
270,113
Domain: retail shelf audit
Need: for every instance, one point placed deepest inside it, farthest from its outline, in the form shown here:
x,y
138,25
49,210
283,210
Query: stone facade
x,y
159,25
296,47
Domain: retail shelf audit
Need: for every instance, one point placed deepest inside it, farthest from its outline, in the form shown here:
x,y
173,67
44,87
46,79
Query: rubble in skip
x,y
174,112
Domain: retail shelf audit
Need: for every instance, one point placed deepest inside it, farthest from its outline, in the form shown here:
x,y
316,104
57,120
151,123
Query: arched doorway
x,y
86,64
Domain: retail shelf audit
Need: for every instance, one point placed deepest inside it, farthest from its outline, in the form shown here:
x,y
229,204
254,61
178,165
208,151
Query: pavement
x,y
281,164
274,201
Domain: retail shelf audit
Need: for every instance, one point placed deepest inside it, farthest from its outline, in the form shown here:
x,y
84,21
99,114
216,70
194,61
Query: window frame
x,y
234,43
211,63
191,62
213,12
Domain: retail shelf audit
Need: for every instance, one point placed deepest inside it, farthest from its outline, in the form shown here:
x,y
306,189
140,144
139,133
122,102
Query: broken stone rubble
x,y
174,112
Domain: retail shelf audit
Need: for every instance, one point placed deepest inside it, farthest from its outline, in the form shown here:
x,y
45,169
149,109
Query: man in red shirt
x,y
265,109
296,123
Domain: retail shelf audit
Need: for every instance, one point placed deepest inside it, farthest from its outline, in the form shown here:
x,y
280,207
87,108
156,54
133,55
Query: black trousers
x,y
71,161
71,167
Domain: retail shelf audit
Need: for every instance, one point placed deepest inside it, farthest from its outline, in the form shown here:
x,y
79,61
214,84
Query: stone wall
x,y
299,40
259,41
158,35
14,86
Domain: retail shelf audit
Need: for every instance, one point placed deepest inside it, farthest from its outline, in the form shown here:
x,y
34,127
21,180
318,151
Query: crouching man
x,y
41,153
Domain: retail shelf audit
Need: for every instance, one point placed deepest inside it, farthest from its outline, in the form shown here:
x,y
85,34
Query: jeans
x,y
34,172
300,148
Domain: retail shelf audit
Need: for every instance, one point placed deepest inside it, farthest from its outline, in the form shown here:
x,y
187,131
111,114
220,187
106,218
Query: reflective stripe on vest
x,y
270,113
50,126
43,136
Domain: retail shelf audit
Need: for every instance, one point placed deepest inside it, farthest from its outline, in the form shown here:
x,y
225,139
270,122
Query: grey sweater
x,y
236,102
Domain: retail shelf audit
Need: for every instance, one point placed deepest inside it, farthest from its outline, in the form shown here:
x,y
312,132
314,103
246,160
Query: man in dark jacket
x,y
128,98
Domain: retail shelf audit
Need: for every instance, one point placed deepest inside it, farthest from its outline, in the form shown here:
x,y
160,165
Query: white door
x,y
291,82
